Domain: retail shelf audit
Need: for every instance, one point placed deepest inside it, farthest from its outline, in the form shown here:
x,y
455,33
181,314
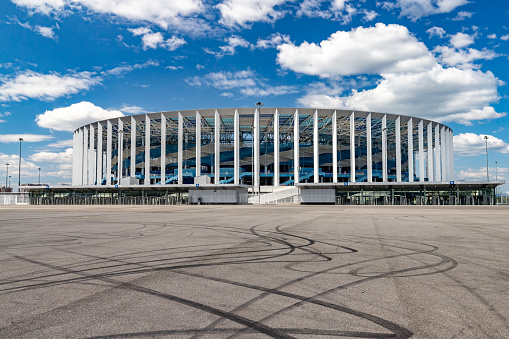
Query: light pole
x,y
7,176
39,169
9,180
259,105
496,179
487,164
19,167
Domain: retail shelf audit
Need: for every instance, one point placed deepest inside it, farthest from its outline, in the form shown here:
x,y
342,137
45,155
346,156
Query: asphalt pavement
x,y
254,271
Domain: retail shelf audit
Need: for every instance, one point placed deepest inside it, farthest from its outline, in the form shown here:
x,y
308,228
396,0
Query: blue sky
x,y
64,63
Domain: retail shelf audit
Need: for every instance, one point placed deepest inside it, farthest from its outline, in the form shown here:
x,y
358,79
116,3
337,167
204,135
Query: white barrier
x,y
14,198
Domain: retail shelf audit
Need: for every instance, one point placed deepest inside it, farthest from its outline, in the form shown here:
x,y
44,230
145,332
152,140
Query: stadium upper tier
x,y
290,146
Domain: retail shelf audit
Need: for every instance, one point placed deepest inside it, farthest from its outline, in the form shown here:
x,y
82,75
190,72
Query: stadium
x,y
267,156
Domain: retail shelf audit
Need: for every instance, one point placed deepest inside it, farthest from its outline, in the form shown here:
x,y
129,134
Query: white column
x,y
296,141
410,150
430,152
335,147
276,148
147,150
236,148
421,151
217,148
81,152
438,176
256,148
443,153
384,148
83,164
316,168
369,149
163,149
352,147
79,157
75,158
198,144
180,150
451,155
133,148
398,148
120,153
85,155
92,156
109,141
447,156
99,153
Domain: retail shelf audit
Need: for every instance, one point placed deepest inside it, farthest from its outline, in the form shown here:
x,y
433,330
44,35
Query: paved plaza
x,y
254,271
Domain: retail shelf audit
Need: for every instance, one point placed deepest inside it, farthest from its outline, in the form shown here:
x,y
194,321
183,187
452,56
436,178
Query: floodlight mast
x,y
7,176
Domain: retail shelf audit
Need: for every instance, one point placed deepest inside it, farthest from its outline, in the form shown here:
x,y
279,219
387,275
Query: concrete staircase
x,y
280,195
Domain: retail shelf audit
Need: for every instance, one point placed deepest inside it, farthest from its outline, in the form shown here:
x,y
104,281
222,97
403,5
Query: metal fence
x,y
109,201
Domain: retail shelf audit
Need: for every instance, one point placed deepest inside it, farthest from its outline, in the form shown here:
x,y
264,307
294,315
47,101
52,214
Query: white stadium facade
x,y
267,156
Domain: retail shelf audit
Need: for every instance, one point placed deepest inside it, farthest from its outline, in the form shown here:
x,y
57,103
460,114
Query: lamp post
x,y
496,179
7,176
259,105
19,167
9,181
39,169
487,164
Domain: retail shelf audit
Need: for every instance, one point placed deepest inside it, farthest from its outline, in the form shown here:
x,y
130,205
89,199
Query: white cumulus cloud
x,y
10,138
33,85
486,113
462,16
46,32
56,157
443,94
460,40
464,57
234,42
41,6
60,144
436,31
412,81
155,40
272,41
416,9
28,168
159,12
500,173
241,12
74,116
372,50
470,144
225,80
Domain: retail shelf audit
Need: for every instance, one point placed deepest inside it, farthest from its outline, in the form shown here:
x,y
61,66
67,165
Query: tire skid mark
x,y
399,331
151,261
274,333
298,331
